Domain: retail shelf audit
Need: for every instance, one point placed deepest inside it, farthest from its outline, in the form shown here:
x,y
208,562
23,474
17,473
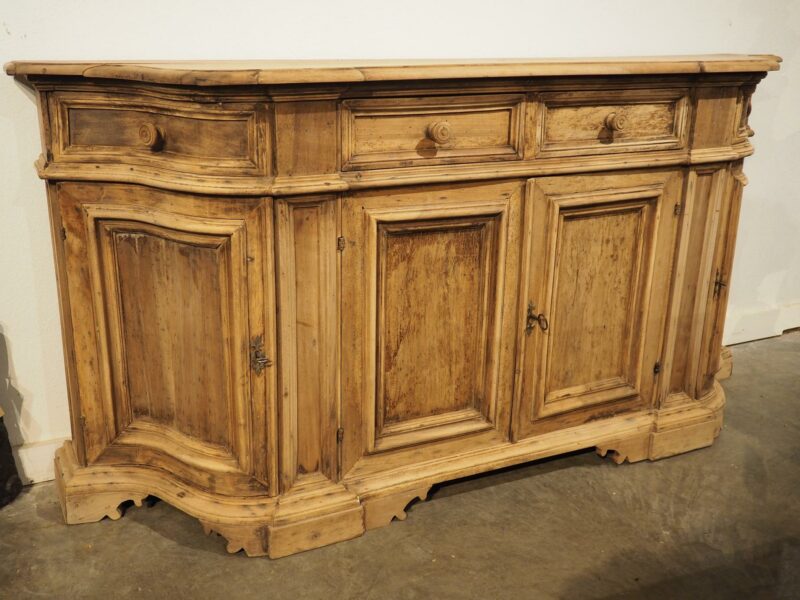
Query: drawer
x,y
209,138
611,121
382,133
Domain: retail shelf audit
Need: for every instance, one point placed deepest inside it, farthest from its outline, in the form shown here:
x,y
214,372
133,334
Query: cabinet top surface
x,y
258,72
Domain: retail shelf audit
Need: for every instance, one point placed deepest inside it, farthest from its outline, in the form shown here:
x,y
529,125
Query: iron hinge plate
x,y
719,284
258,360
657,368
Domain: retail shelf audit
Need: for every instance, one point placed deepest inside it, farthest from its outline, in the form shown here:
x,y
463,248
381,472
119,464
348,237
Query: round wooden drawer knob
x,y
151,136
616,122
440,132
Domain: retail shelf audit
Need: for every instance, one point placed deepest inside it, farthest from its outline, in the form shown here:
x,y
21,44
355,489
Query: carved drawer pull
x,y
151,136
533,318
439,132
616,122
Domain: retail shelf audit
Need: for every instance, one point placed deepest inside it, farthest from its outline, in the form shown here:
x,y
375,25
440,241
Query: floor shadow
x,y
763,571
513,473
170,523
11,405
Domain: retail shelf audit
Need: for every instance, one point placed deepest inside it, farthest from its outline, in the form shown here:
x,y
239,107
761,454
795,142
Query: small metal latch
x,y
258,360
532,319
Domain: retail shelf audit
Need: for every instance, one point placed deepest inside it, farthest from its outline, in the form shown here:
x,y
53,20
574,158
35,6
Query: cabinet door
x,y
170,321
600,252
429,281
718,282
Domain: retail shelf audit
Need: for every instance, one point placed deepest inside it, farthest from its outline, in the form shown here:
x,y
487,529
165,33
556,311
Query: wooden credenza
x,y
296,295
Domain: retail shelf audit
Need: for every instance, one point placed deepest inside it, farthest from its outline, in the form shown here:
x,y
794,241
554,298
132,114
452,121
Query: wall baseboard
x,y
747,325
35,460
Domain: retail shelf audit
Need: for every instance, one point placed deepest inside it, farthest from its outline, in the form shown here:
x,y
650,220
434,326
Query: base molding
x,y
725,364
316,511
681,425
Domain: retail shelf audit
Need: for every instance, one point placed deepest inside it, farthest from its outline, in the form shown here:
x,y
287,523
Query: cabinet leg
x,y
681,426
632,449
250,538
90,507
380,510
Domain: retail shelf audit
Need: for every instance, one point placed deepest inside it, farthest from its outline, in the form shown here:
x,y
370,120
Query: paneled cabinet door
x,y
597,277
717,294
174,338
429,280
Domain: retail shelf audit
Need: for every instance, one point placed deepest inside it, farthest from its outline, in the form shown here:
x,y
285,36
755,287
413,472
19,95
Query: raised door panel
x,y
432,282
600,251
426,280
181,335
171,282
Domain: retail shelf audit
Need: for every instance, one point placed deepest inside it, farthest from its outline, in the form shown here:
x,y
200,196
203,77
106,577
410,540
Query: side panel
x,y
306,232
719,284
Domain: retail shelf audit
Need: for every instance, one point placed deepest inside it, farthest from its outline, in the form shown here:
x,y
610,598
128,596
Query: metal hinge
x,y
657,368
63,233
339,454
719,283
678,210
258,360
340,243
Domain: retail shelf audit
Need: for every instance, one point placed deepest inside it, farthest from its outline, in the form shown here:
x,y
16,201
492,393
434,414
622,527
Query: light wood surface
x,y
294,296
256,72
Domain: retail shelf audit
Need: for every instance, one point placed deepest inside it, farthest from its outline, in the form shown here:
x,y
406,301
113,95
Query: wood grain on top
x,y
346,71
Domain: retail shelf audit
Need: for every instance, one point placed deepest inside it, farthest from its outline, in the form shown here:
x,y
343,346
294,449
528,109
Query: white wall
x,y
765,297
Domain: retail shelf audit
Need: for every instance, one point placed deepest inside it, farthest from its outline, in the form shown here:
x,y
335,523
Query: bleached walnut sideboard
x,y
296,295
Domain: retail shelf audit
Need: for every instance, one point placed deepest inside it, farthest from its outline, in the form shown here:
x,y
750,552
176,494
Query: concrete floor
x,y
723,522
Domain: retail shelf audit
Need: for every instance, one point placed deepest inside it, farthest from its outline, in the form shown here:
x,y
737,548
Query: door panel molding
x,y
594,243
179,286
423,252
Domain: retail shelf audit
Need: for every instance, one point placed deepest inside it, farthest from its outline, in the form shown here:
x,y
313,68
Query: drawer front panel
x,y
602,122
401,132
212,139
